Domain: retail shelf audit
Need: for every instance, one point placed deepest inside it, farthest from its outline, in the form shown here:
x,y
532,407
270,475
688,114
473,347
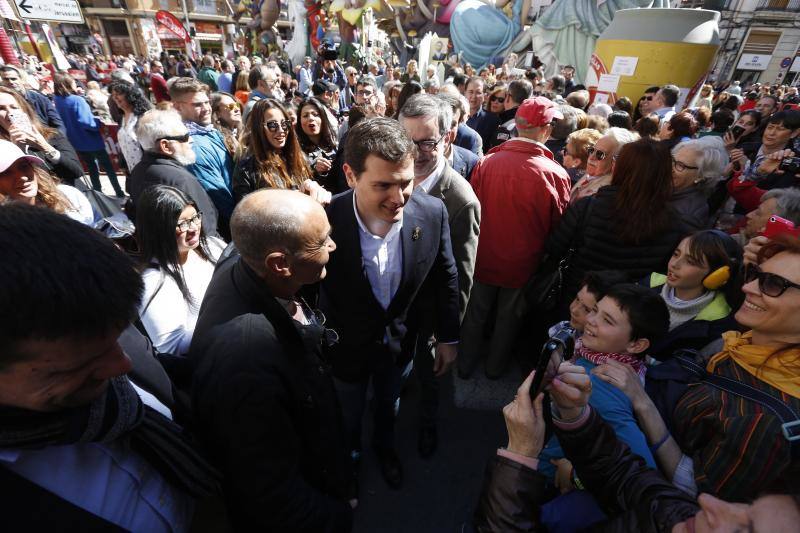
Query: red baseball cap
x,y
537,111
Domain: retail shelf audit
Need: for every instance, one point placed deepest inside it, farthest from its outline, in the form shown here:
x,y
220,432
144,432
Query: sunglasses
x,y
231,106
648,98
598,154
769,284
498,99
273,125
178,138
184,225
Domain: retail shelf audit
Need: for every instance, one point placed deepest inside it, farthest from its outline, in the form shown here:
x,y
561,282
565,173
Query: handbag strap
x,y
790,421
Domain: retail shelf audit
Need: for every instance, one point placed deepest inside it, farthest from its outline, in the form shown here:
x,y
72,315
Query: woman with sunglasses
x,y
575,154
317,139
719,441
272,156
226,115
177,261
496,100
600,162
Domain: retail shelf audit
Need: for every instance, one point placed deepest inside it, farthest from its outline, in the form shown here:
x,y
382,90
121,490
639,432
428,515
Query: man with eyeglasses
x,y
366,94
265,404
213,166
305,78
168,151
264,82
523,192
428,120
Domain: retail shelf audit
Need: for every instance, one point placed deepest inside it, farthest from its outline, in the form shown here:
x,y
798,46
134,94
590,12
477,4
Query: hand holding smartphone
x,y
555,351
778,225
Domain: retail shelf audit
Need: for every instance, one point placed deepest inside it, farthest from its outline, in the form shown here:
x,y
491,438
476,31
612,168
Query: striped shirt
x,y
736,444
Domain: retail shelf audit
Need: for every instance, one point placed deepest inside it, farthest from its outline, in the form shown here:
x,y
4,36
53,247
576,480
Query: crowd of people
x,y
307,238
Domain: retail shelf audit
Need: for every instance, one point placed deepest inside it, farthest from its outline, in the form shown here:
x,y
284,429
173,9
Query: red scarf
x,y
599,358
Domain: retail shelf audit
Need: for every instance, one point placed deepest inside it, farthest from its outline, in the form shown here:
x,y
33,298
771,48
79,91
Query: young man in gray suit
x,y
427,120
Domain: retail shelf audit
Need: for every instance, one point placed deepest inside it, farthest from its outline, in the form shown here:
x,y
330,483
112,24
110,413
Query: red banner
x,y
171,22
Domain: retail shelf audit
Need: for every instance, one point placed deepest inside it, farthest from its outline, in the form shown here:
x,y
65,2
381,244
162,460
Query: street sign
x,y
785,62
50,10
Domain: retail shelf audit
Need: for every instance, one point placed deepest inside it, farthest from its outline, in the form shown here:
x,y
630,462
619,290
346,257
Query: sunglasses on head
x,y
273,125
179,138
769,284
598,154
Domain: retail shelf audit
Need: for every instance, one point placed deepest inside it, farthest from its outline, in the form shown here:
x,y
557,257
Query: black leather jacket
x,y
635,497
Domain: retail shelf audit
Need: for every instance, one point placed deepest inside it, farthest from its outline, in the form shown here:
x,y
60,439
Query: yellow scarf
x,y
757,361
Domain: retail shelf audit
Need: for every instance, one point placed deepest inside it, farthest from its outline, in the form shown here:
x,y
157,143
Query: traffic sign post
x,y
50,10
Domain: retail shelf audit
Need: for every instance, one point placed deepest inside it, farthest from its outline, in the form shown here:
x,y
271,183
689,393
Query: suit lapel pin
x,y
416,233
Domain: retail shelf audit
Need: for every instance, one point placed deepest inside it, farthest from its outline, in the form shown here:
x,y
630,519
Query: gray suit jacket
x,y
464,217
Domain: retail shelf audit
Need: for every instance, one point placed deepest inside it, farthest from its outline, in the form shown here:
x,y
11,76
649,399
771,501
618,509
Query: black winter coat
x,y
265,407
634,496
602,247
157,169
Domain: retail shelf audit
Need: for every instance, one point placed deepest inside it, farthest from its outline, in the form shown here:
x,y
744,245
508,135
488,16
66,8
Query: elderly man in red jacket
x,y
523,192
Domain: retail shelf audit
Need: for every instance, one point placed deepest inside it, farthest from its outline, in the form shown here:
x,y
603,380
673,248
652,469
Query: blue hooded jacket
x,y
213,167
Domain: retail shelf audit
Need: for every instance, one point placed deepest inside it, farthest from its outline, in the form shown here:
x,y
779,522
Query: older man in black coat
x,y
264,399
167,150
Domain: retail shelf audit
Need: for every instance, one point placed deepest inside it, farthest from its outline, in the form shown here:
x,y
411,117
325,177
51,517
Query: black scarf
x,y
117,414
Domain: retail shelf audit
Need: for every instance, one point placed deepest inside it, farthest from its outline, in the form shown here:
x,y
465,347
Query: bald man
x,y
264,400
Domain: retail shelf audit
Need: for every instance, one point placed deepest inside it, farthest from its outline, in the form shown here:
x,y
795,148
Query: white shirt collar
x,y
393,231
433,178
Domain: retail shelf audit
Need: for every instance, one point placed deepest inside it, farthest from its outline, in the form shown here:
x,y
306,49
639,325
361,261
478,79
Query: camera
x,y
791,165
329,51
736,131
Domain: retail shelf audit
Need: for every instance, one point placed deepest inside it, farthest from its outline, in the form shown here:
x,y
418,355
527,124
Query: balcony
x,y
778,5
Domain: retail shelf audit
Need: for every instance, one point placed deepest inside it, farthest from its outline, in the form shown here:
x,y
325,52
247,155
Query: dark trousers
x,y
386,378
93,160
429,384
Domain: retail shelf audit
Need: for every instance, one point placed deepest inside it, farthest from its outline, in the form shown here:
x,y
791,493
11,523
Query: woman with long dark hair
x,y
409,89
20,124
133,104
83,131
628,225
272,156
177,262
226,115
317,139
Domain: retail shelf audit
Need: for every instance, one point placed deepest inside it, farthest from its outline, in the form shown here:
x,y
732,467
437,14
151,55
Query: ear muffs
x,y
718,278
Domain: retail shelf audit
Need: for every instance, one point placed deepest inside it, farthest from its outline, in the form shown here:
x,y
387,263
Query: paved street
x,y
439,494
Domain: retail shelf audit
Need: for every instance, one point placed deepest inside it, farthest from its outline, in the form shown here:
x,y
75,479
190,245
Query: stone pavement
x,y
439,494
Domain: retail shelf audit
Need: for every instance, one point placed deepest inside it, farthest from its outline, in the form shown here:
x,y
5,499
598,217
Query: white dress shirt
x,y
382,259
433,178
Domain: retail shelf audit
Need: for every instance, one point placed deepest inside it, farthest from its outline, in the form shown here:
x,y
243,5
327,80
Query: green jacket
x,y
209,76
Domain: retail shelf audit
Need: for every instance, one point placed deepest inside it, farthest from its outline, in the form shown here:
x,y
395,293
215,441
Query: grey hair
x,y
426,105
621,136
788,203
601,110
563,127
156,124
455,103
713,158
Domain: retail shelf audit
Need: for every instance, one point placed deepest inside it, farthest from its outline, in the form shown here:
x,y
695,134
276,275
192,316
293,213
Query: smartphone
x,y
555,351
737,131
20,119
778,226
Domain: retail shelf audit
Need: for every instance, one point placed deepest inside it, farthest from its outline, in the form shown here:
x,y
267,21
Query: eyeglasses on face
x,y
184,225
769,284
231,106
273,125
429,146
598,154
682,167
498,99
648,97
365,93
177,138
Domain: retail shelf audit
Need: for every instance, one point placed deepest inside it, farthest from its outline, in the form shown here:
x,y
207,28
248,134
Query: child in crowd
x,y
593,287
626,321
701,287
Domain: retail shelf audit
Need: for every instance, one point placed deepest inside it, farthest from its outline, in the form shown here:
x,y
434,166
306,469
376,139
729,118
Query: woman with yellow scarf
x,y
722,443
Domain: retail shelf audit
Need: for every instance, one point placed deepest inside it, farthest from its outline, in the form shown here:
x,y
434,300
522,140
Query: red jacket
x,y
523,193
